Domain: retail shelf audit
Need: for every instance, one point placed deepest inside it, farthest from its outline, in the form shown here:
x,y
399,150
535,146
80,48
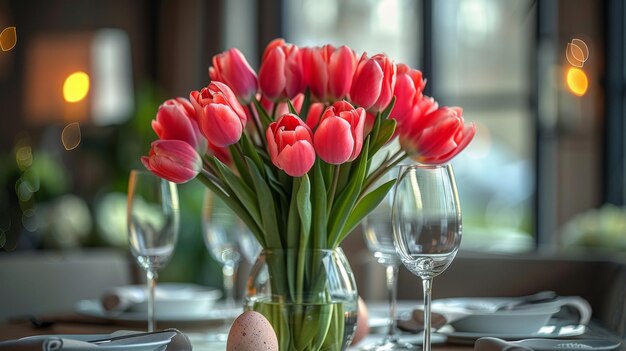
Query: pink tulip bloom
x,y
220,116
176,120
373,82
281,74
408,91
174,160
339,136
290,144
436,136
231,68
328,71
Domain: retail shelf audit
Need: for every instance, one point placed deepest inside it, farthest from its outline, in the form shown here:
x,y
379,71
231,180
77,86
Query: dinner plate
x,y
555,328
170,298
93,308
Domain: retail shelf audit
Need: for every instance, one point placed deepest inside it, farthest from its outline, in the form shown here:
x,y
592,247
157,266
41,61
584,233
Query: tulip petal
x,y
366,85
333,140
221,126
297,159
272,74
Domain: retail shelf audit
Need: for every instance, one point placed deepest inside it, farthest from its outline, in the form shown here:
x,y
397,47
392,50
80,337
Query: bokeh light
x,y
76,87
577,81
70,137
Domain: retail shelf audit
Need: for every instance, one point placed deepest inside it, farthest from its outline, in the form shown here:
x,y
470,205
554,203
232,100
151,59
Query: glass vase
x,y
309,297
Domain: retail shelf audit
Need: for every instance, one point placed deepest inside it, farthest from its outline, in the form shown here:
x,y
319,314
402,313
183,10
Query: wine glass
x,y
153,216
378,233
227,238
426,225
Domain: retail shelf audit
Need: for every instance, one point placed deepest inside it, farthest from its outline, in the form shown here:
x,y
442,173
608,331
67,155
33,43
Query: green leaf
x,y
263,116
343,206
275,184
240,164
292,108
319,208
293,219
237,207
266,206
366,205
387,128
306,105
251,151
304,204
387,111
241,190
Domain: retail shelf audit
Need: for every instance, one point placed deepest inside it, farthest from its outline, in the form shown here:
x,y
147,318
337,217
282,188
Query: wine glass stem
x,y
392,287
151,279
427,284
229,270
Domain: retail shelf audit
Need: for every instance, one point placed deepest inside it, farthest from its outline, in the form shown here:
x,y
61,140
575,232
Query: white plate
x,y
554,329
93,308
170,298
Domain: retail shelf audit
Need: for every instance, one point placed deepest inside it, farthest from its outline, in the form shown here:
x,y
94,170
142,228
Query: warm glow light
x,y
76,87
577,81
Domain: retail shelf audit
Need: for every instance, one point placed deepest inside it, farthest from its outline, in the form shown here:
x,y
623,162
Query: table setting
x,y
320,142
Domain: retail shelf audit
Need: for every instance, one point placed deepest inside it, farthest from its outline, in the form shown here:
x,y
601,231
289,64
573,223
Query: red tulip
x,y
230,67
329,71
436,136
176,120
174,160
408,91
220,116
290,144
339,136
373,82
281,74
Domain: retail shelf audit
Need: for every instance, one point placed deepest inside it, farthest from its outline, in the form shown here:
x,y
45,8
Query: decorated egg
x,y
362,328
251,331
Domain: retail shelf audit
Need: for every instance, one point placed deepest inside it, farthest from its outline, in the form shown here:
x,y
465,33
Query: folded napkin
x,y
172,339
170,299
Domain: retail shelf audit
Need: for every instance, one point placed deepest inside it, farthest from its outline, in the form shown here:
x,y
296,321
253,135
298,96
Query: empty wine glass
x,y
378,233
227,238
153,216
426,225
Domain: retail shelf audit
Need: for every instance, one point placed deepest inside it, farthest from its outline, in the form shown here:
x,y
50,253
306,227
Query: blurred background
x,y
545,173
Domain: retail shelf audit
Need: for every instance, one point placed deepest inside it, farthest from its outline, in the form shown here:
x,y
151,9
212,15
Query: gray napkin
x,y
172,339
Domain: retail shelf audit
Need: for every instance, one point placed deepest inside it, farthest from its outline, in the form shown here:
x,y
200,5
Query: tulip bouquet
x,y
290,150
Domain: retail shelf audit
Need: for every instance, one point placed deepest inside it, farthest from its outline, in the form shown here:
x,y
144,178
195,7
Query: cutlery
x,y
136,337
540,297
495,344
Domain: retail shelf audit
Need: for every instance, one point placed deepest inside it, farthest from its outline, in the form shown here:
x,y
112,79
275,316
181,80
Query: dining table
x,y
204,336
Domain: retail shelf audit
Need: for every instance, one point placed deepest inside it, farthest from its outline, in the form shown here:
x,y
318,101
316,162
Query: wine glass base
x,y
391,346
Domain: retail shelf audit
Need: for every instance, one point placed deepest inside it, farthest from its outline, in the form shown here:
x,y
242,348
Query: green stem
x,y
257,125
333,189
385,167
274,108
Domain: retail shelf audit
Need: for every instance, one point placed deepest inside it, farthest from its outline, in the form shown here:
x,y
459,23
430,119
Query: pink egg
x,y
362,328
251,331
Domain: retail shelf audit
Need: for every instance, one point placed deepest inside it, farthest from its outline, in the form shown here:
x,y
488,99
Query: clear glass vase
x,y
309,297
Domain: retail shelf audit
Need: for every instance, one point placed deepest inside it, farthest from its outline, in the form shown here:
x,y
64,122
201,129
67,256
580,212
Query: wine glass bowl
x,y
227,239
426,225
153,220
378,234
